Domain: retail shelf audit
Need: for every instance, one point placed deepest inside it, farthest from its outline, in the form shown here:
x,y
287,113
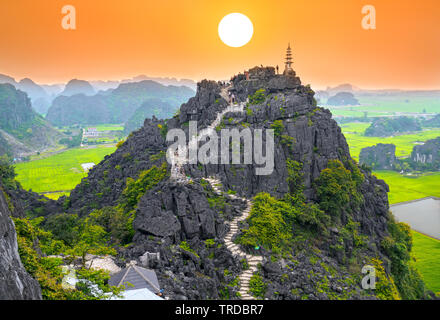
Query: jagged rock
x,y
15,282
427,155
379,157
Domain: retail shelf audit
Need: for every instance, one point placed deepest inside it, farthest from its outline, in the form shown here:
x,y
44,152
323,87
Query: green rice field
x,y
354,133
389,104
427,252
108,127
60,172
405,188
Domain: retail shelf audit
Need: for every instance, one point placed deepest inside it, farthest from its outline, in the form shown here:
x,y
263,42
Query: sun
x,y
235,30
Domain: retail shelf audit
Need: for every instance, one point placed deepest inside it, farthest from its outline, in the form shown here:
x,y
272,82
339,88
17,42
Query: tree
x,y
337,186
92,240
7,172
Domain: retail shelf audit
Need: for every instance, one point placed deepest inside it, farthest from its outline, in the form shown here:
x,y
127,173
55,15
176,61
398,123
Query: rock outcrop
x,y
24,130
379,157
15,282
427,155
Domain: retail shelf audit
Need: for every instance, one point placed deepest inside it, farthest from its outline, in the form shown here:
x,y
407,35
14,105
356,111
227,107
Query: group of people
x,y
232,98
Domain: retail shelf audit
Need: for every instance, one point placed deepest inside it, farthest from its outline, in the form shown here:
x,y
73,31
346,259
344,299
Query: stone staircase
x,y
178,160
252,260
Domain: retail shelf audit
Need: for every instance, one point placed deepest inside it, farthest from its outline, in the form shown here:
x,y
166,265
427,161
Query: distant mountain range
x,y
116,105
22,130
42,95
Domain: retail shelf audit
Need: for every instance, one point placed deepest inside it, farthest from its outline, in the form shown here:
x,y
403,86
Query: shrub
x,y
266,224
385,287
257,287
258,97
278,127
135,189
398,248
336,187
7,172
185,246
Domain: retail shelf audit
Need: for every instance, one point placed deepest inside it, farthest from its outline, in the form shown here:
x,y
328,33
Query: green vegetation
x,y
398,247
271,221
338,187
278,127
383,127
389,104
59,172
109,127
258,97
47,271
354,133
257,287
72,142
427,253
147,179
405,187
185,246
385,286
7,173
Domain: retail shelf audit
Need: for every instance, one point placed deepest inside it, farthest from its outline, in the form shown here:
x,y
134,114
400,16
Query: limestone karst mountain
x,y
342,99
383,127
76,86
148,109
38,95
427,156
21,127
379,157
305,230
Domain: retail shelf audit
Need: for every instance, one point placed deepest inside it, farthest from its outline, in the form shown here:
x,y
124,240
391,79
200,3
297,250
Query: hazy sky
x,y
118,39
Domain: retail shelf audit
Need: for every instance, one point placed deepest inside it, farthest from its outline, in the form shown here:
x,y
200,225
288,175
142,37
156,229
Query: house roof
x,y
139,294
138,277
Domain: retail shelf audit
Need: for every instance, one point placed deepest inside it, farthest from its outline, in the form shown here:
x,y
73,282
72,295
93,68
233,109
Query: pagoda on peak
x,y
288,71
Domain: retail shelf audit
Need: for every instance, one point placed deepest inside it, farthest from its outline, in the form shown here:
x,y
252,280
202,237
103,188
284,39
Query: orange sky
x,y
118,39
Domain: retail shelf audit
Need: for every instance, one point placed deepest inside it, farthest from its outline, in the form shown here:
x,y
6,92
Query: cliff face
x,y
15,282
20,126
427,155
380,157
